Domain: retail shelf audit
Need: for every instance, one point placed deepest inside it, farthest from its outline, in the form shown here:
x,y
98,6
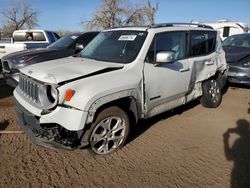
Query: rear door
x,y
202,49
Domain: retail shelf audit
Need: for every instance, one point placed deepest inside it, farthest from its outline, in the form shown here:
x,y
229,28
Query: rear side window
x,y
202,42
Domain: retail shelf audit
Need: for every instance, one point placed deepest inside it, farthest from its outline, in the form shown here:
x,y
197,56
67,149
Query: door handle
x,y
2,52
184,69
209,63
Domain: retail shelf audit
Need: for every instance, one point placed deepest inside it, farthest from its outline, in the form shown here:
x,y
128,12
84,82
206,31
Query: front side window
x,y
120,46
202,42
169,41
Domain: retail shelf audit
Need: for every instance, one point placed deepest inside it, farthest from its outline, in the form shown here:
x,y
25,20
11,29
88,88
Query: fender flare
x,y
135,105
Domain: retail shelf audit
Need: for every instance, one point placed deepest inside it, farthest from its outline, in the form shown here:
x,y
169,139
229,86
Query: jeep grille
x,y
28,87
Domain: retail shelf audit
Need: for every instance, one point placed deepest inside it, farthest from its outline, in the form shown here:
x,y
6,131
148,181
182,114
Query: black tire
x,y
104,128
212,96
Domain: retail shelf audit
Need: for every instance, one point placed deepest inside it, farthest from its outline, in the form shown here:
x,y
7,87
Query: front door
x,y
168,82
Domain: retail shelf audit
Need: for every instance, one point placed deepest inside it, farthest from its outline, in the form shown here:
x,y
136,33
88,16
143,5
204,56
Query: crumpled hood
x,y
67,69
234,53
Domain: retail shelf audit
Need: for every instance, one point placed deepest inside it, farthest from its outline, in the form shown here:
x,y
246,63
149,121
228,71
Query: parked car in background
x,y
123,75
228,28
237,48
64,47
26,39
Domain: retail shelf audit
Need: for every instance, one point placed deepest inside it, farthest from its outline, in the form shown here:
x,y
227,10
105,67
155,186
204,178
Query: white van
x,y
228,28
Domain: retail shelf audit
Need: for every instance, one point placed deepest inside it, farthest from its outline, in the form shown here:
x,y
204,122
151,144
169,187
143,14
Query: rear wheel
x,y
212,96
109,131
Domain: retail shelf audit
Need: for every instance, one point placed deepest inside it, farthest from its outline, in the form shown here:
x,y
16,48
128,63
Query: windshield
x,y
238,40
64,42
115,46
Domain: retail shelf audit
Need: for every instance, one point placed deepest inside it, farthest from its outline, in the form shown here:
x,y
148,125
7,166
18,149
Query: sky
x,y
68,14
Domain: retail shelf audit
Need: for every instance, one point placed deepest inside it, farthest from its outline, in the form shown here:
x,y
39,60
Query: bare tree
x,y
18,15
109,14
62,32
121,12
150,11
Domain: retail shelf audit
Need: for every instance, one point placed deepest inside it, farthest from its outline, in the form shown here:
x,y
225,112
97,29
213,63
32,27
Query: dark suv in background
x,y
237,48
66,46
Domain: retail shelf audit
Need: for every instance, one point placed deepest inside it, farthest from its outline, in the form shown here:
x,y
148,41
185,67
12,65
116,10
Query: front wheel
x,y
109,131
212,96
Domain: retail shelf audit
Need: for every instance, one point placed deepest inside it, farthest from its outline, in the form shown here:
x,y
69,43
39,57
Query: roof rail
x,y
180,24
124,26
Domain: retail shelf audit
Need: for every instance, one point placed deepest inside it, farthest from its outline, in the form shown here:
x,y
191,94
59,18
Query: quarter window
x,y
202,42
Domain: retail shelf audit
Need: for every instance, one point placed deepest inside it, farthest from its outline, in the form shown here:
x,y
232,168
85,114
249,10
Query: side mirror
x,y
165,57
79,47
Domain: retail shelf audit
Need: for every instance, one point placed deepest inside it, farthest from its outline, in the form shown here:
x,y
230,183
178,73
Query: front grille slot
x,y
28,87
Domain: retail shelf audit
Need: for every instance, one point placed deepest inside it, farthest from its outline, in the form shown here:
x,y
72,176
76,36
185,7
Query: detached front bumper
x,y
50,135
239,75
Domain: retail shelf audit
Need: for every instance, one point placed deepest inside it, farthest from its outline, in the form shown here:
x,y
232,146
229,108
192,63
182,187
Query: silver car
x,y
237,48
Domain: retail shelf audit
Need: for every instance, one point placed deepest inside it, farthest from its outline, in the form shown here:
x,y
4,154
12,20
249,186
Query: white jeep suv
x,y
123,75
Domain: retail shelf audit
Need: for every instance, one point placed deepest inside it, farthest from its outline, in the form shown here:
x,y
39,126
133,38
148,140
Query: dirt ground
x,y
189,147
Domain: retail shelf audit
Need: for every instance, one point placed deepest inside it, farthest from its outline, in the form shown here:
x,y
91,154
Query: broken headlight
x,y
48,96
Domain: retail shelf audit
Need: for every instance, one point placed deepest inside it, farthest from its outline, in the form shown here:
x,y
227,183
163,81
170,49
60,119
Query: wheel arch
x,y
126,100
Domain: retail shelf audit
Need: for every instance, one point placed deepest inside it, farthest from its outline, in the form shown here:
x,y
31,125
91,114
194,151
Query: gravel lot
x,y
189,147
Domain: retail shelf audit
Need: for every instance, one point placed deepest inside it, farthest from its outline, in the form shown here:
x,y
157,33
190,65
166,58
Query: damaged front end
x,y
48,135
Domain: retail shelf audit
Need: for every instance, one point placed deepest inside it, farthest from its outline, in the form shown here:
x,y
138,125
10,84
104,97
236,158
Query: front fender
x,y
135,106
